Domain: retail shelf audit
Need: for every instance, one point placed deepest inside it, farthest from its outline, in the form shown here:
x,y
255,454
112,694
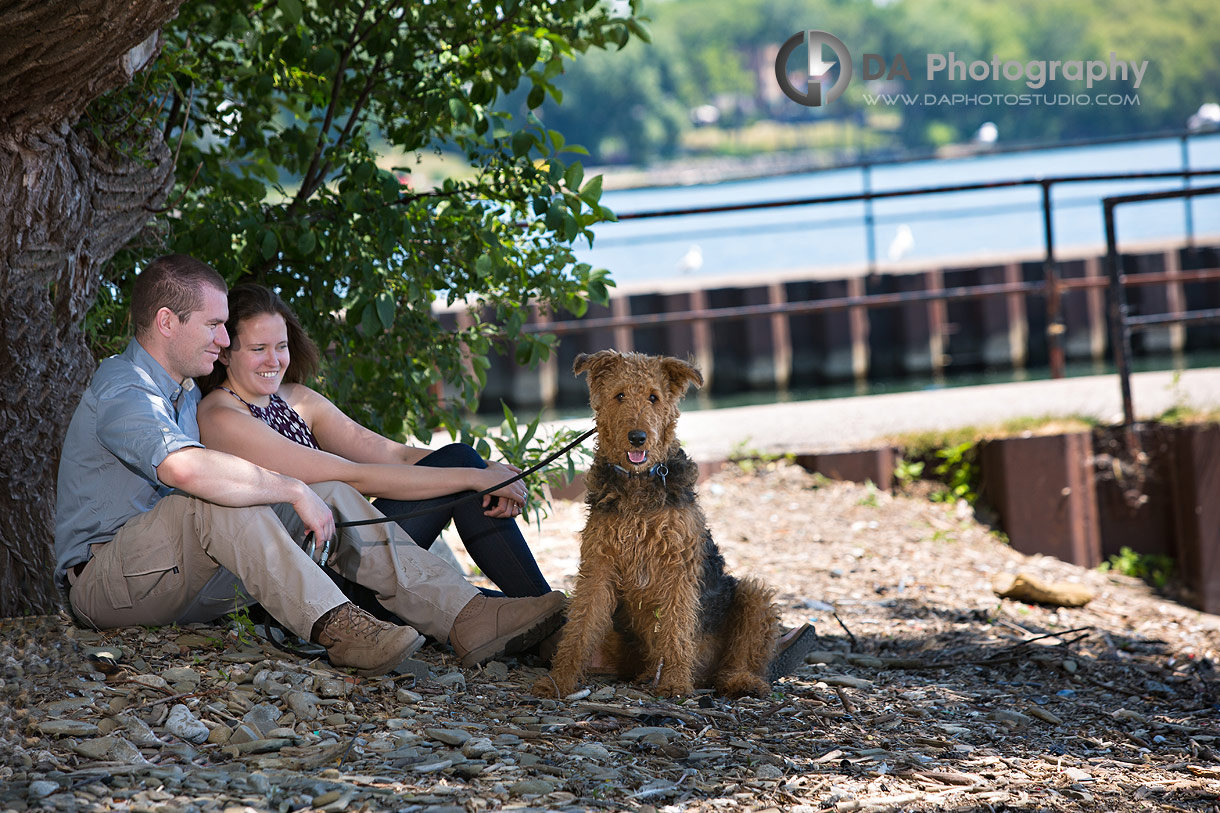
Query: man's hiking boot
x,y
354,638
488,628
790,651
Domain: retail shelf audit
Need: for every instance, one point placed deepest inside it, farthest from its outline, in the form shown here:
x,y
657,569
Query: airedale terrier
x,y
652,592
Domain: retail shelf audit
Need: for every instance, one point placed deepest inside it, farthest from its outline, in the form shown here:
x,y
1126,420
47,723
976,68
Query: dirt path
x,y
928,693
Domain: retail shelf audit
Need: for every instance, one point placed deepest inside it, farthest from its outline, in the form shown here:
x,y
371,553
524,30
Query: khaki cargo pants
x,y
186,561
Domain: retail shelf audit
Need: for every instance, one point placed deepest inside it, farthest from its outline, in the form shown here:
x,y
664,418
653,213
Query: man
x,y
153,528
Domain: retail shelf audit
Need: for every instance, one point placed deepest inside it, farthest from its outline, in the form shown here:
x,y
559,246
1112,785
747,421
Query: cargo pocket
x,y
147,571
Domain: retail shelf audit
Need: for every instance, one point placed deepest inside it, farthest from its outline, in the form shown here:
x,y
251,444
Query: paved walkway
x,y
842,424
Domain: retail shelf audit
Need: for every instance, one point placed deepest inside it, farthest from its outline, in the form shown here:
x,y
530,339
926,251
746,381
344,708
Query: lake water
x,y
928,227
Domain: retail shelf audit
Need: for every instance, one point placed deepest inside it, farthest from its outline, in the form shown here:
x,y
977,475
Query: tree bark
x,y
68,202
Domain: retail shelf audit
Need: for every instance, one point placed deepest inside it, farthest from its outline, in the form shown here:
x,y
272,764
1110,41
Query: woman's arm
x,y
237,432
339,434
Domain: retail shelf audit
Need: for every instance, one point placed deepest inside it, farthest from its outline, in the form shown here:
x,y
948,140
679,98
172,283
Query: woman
x,y
257,407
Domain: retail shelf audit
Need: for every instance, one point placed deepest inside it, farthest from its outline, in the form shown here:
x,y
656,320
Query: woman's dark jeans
x,y
495,545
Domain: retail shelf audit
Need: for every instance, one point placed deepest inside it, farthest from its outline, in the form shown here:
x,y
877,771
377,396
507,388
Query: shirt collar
x,y
170,387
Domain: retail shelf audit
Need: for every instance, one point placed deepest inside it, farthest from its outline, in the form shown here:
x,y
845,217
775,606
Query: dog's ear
x,y
681,375
593,363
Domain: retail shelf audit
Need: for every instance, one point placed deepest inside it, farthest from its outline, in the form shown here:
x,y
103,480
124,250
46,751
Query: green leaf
x,y
291,9
369,322
574,175
483,266
536,97
306,243
385,309
269,245
523,142
592,191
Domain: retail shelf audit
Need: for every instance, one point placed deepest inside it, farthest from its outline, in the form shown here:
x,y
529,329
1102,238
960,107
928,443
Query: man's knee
x,y
335,490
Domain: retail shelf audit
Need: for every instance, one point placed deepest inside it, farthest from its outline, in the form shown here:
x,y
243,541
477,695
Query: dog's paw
x,y
741,685
674,688
550,686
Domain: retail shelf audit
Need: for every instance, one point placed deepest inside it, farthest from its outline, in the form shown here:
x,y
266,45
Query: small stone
x,y
455,680
181,723
408,696
1069,666
58,708
326,798
263,717
591,750
242,734
138,732
303,704
123,751
602,694
151,682
655,738
495,671
433,767
449,736
1011,718
42,788
331,687
477,747
260,782
220,735
768,771
95,748
531,787
641,732
67,728
259,746
1077,775
268,683
181,675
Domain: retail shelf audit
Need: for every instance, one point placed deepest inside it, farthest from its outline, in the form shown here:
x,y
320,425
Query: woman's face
x,y
258,357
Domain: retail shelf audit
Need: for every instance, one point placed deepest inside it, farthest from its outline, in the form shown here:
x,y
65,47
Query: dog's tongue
x,y
637,456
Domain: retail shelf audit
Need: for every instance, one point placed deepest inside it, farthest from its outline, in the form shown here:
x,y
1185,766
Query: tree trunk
x,y
67,204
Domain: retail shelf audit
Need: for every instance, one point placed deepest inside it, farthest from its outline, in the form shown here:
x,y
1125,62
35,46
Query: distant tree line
x,y
710,64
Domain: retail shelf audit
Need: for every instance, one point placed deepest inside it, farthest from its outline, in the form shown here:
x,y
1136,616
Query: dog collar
x,y
659,470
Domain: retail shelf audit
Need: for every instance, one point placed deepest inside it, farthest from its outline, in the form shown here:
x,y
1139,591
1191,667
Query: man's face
x,y
195,344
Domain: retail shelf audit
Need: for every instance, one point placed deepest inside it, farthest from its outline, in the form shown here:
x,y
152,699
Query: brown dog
x,y
652,592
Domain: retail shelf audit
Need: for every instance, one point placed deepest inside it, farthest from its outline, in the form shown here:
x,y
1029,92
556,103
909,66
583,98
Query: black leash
x,y
472,495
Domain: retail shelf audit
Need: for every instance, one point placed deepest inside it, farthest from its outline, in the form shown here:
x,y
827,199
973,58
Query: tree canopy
x,y
297,126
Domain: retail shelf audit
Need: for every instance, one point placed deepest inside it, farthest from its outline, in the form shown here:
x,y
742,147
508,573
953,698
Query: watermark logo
x,y
826,52
815,42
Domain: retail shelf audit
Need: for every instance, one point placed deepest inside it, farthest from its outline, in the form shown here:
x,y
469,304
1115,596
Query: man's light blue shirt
x,y
133,415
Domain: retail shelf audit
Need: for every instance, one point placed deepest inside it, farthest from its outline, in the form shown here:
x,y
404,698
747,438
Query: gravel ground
x,y
927,692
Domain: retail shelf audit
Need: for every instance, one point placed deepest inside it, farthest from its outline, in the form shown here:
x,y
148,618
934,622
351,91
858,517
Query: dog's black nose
x,y
637,437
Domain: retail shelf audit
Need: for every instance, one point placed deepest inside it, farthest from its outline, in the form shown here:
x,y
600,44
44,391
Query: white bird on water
x,y
903,242
691,261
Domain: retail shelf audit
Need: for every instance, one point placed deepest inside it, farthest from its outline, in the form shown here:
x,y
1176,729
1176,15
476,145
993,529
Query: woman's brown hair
x,y
249,300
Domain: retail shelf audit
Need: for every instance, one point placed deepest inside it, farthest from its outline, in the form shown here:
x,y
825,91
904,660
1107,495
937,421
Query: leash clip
x,y
661,470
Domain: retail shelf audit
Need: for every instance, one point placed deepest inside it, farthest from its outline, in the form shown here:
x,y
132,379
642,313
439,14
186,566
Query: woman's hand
x,y
506,502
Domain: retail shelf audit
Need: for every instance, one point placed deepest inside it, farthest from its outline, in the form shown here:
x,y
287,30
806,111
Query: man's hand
x,y
317,518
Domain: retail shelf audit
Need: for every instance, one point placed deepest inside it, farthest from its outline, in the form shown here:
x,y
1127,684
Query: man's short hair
x,y
174,281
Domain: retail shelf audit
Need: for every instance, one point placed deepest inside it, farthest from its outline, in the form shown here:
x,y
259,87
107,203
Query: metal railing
x,y
1122,323
1052,285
